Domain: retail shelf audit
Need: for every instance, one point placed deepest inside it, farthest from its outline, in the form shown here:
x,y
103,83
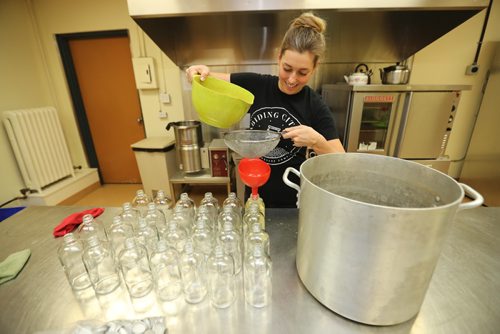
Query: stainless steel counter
x,y
463,296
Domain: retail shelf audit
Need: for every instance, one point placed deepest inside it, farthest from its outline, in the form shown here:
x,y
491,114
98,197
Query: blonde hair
x,y
305,33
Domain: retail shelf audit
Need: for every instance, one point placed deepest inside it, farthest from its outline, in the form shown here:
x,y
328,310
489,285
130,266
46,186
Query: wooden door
x,y
104,72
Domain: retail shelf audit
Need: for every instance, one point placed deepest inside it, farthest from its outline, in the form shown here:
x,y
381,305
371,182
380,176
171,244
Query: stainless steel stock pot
x,y
370,233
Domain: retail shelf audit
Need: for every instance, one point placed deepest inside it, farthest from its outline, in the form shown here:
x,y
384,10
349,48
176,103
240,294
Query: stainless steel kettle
x,y
395,75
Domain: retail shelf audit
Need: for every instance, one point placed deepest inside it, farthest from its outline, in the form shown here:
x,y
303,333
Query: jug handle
x,y
477,199
290,183
346,79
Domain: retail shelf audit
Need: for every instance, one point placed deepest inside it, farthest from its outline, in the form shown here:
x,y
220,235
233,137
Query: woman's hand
x,y
302,135
201,70
305,136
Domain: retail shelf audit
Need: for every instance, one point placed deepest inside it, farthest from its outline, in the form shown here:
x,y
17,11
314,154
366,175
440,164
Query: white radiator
x,y
39,145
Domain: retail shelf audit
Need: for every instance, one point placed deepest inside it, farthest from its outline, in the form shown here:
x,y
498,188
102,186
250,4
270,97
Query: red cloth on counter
x,y
69,223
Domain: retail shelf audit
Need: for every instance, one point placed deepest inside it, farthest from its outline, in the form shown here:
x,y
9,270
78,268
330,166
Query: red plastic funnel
x,y
254,173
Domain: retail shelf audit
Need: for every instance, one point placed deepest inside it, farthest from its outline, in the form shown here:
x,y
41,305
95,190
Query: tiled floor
x,y
114,195
109,195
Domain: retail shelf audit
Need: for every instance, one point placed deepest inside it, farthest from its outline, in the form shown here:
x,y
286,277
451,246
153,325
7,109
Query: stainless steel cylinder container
x,y
188,141
395,75
371,229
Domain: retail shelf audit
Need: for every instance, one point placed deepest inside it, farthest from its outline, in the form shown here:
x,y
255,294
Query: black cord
x,y
478,50
12,200
24,191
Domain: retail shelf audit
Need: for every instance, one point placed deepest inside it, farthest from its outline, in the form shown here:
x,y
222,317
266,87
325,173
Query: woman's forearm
x,y
323,146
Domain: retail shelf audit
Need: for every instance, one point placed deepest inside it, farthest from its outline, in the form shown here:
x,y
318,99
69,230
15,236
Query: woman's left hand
x,y
302,135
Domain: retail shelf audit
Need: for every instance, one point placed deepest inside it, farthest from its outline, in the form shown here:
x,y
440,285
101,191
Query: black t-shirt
x,y
274,110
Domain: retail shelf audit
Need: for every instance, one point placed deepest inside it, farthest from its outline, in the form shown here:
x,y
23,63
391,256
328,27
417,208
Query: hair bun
x,y
310,21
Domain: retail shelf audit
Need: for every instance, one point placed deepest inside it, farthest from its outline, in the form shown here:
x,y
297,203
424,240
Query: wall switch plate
x,y
165,97
144,73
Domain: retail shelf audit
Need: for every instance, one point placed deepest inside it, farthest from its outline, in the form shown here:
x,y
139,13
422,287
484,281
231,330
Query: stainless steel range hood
x,y
229,32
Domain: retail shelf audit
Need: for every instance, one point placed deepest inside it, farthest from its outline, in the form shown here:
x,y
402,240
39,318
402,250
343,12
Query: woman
x,y
286,104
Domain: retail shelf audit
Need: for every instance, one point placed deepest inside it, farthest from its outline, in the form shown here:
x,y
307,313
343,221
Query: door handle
x,y
402,124
140,119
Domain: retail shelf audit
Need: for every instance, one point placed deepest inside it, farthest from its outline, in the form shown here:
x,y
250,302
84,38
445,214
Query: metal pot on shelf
x,y
188,141
395,75
369,238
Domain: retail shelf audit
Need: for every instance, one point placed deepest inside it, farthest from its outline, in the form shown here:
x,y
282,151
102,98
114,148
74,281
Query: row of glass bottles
x,y
200,255
170,274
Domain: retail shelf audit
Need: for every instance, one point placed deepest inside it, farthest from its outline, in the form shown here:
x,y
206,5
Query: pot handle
x,y
290,183
477,199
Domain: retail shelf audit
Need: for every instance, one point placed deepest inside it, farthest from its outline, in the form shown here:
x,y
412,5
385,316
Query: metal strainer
x,y
252,143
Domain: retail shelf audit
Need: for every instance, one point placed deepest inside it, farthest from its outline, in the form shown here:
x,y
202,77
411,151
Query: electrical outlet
x,y
163,114
472,69
165,98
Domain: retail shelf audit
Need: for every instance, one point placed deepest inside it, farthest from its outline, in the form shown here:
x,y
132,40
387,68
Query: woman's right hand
x,y
201,70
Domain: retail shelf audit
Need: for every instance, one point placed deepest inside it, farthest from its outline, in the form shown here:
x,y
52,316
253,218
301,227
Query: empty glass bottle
x,y
164,204
118,232
193,274
135,269
146,235
130,215
176,236
203,236
187,205
258,278
252,215
228,214
212,205
162,201
183,218
233,201
221,278
232,205
203,213
257,237
91,226
70,255
100,265
156,218
231,243
164,264
140,202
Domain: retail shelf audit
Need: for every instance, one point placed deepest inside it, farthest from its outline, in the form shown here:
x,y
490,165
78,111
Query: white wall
x,y
23,83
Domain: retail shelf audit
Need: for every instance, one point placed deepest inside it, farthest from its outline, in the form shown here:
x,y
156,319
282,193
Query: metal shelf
x,y
202,177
